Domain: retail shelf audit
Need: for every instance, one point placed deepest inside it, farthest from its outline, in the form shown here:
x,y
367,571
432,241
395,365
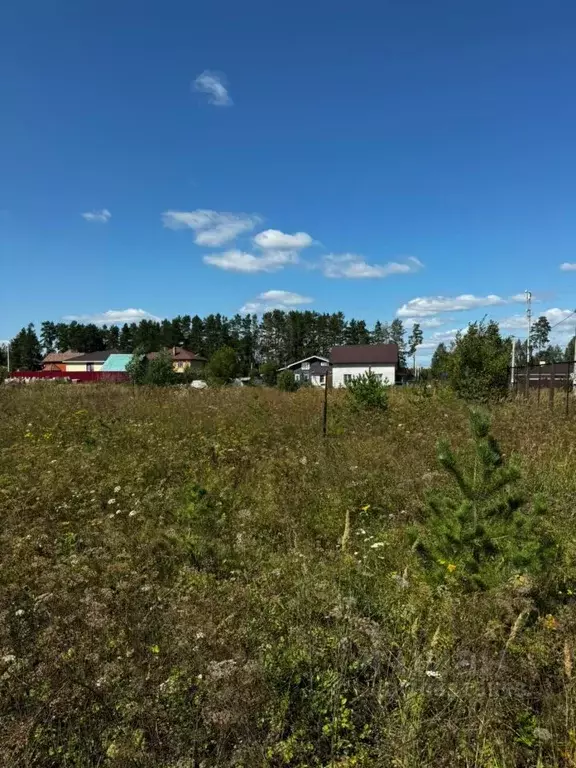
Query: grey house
x,y
311,370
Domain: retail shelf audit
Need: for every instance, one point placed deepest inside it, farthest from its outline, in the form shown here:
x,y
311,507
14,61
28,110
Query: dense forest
x,y
277,336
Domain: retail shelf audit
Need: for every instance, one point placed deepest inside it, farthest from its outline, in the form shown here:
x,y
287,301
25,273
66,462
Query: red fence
x,y
80,376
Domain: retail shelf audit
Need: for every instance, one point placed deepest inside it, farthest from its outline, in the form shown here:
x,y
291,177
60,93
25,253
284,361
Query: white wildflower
x,y
9,658
111,501
132,513
432,673
117,489
19,612
304,460
377,545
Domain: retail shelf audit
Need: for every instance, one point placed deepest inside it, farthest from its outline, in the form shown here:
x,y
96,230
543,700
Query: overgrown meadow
x,y
197,578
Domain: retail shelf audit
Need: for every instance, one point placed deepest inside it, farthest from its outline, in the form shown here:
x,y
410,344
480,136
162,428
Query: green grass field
x,y
195,579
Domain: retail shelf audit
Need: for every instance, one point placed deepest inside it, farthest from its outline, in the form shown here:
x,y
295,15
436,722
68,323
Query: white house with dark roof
x,y
354,360
311,370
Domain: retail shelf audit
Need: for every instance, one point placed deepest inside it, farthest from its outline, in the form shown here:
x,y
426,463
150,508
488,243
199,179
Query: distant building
x,y
56,361
182,359
89,362
311,370
116,362
354,360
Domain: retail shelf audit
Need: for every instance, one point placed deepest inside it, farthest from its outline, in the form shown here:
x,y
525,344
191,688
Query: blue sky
x,y
325,155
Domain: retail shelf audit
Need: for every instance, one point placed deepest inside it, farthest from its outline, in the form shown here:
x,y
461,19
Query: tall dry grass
x,y
199,579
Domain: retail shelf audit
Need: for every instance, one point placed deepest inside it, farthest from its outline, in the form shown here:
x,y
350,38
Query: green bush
x,y
136,368
3,373
368,391
287,381
159,371
478,363
269,373
223,366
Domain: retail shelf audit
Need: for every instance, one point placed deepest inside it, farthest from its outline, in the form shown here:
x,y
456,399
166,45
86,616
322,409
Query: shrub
x,y
223,365
136,368
3,373
159,372
484,536
368,391
287,381
477,366
269,373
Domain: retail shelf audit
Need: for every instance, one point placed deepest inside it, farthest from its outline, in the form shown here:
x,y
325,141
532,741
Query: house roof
x,y
304,360
91,357
116,362
178,353
59,357
367,354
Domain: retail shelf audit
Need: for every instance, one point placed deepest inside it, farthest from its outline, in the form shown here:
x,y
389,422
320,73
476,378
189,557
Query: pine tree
x,y
25,350
484,535
397,336
48,336
439,364
416,338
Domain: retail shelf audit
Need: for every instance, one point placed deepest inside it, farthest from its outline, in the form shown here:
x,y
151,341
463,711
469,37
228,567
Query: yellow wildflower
x,y
450,567
365,508
550,622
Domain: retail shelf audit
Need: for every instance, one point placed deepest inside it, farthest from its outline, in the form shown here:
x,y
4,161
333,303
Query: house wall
x,y
339,371
181,365
79,367
313,378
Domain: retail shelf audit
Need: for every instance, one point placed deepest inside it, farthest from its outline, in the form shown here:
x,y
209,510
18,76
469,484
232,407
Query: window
x,y
323,362
306,366
89,367
378,376
348,378
180,364
296,377
305,377
321,379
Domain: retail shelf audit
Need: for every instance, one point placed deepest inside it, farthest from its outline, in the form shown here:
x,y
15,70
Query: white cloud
x,y
352,265
211,228
240,261
425,322
101,217
213,83
276,240
431,305
275,299
114,317
568,267
440,337
554,315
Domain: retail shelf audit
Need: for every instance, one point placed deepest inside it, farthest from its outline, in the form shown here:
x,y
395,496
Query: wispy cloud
x,y
568,266
212,228
432,305
100,217
440,337
214,85
240,261
352,265
425,322
114,317
275,299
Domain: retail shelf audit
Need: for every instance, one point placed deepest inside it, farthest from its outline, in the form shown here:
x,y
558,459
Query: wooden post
x,y
325,408
552,385
567,391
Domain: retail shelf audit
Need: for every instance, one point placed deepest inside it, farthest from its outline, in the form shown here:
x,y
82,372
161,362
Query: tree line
x,y
277,336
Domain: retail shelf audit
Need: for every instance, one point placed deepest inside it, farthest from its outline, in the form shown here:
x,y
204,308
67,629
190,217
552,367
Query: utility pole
x,y
529,316
8,355
513,366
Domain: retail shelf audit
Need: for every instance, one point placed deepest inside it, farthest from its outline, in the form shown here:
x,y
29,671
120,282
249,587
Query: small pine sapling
x,y
487,533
